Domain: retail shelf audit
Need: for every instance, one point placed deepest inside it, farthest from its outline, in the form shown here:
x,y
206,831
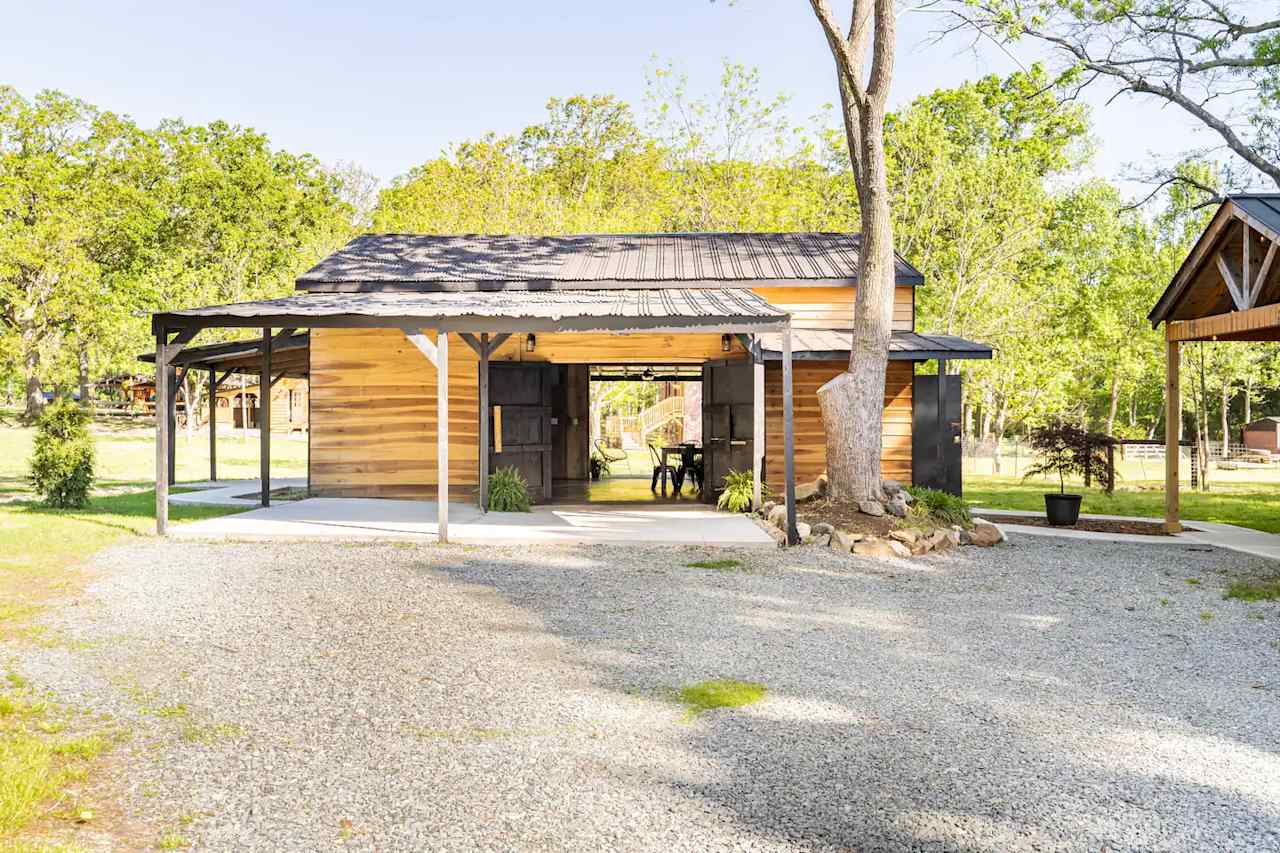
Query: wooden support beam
x,y
1262,319
171,419
442,435
1229,278
277,378
163,435
484,422
757,434
264,419
788,439
213,425
424,345
1172,436
1264,270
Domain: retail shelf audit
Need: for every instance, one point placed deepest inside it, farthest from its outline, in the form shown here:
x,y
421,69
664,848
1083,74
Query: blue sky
x,y
391,85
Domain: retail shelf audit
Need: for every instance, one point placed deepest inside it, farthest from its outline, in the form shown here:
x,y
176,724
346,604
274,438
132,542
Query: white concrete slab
x,y
228,492
368,518
1228,536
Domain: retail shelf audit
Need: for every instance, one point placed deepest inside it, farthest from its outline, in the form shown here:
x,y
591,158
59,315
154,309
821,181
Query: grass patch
x,y
717,565
1206,615
172,841
1266,590
209,732
1193,581
720,693
1256,506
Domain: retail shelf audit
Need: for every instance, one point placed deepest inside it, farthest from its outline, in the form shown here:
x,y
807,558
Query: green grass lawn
x,y
126,454
1245,504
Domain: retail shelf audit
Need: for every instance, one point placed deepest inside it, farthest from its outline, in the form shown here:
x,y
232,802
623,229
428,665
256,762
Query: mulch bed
x,y
1142,528
845,517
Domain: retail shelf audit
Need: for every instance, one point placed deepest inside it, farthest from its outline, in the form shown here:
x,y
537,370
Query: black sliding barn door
x,y
935,442
727,408
520,422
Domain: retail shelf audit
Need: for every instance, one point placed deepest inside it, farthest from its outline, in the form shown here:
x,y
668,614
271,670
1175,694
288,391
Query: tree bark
x,y
31,370
82,371
852,404
1226,412
1248,403
998,436
1115,403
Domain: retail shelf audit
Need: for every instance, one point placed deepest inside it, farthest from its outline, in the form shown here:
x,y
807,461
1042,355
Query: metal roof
x,y
475,262
817,344
659,309
1263,208
289,354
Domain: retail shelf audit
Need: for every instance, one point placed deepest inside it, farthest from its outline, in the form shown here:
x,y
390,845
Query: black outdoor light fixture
x,y
647,376
726,343
530,342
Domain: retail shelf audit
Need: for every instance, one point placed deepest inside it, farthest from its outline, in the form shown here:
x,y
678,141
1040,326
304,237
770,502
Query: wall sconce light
x,y
530,341
726,343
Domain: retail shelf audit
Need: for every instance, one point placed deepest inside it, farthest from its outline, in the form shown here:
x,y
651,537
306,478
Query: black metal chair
x,y
661,469
691,467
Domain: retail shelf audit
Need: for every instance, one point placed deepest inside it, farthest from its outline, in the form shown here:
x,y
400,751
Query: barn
x,y
432,360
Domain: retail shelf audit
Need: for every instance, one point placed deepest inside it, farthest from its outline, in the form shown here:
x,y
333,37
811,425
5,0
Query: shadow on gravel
x,y
989,702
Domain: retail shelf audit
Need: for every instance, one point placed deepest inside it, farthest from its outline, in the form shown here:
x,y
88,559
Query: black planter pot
x,y
1062,510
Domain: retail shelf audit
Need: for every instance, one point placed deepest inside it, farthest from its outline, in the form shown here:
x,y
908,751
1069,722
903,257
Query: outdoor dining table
x,y
677,450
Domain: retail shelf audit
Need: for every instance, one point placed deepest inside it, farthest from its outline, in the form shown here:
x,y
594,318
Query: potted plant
x,y
1067,450
599,466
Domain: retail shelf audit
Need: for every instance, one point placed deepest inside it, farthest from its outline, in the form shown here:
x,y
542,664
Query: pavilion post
x,y
264,418
484,423
442,434
942,419
757,434
171,416
213,425
163,433
788,439
1172,435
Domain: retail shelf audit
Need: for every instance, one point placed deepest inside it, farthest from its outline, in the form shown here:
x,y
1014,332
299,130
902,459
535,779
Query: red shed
x,y
1263,434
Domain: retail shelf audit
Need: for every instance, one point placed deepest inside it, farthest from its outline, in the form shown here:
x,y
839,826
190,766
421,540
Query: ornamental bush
x,y
508,491
62,456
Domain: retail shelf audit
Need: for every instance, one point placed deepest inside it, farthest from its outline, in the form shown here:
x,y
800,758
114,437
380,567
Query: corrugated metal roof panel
x,y
653,259
903,346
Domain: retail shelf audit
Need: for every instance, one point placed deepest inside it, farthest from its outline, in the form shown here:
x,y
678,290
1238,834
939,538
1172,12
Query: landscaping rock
x,y
767,509
908,535
985,534
803,529
899,550
890,487
822,527
921,547
821,539
907,497
824,485
843,542
806,491
873,508
874,547
940,540
778,516
896,506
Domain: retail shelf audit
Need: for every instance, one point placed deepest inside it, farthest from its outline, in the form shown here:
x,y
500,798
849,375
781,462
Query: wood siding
x,y
585,348
832,307
373,414
811,447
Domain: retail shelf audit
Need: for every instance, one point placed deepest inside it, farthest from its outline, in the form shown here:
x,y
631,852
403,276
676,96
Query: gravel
x,y
1048,694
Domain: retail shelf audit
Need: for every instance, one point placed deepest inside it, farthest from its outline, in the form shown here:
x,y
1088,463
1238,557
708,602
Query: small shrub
x,y
62,456
738,488
599,466
1067,450
942,507
508,491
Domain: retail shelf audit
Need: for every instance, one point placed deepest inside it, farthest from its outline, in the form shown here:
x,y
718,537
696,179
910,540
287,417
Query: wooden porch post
x,y
264,418
213,424
1172,435
788,439
442,434
163,433
757,433
171,416
484,422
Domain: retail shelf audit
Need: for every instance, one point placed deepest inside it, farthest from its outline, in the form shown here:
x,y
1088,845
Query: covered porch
x,y
479,323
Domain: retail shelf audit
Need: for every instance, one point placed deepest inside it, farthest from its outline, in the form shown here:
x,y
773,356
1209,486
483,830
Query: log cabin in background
x,y
520,323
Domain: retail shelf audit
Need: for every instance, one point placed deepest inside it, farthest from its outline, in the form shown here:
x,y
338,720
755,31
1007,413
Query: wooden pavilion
x,y
1228,289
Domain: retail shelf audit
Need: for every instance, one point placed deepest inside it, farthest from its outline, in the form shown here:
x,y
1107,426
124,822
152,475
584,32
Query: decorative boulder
x,y
806,491
896,506
820,539
824,485
899,550
907,535
940,540
890,487
778,516
844,542
803,529
767,509
873,508
822,527
875,548
985,534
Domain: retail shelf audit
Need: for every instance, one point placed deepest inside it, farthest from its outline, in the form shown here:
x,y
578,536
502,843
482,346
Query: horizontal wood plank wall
x,y
811,447
832,307
589,348
373,414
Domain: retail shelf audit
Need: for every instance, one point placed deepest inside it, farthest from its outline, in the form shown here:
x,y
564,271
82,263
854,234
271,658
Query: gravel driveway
x,y
1044,695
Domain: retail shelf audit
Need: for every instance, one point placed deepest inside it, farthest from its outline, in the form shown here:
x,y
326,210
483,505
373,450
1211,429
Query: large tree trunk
x,y
1248,404
1115,403
82,371
31,370
1226,412
998,435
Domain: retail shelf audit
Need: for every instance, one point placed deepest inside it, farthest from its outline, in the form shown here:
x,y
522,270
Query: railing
x,y
660,413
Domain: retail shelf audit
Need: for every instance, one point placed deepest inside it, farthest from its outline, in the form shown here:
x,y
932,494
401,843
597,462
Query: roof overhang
x,y
290,355
828,345
620,311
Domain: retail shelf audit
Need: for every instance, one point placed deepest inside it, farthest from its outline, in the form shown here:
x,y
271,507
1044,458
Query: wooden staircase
x,y
660,414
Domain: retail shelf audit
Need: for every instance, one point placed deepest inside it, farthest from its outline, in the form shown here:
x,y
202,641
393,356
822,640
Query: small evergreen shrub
x,y
62,456
943,507
738,486
508,491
